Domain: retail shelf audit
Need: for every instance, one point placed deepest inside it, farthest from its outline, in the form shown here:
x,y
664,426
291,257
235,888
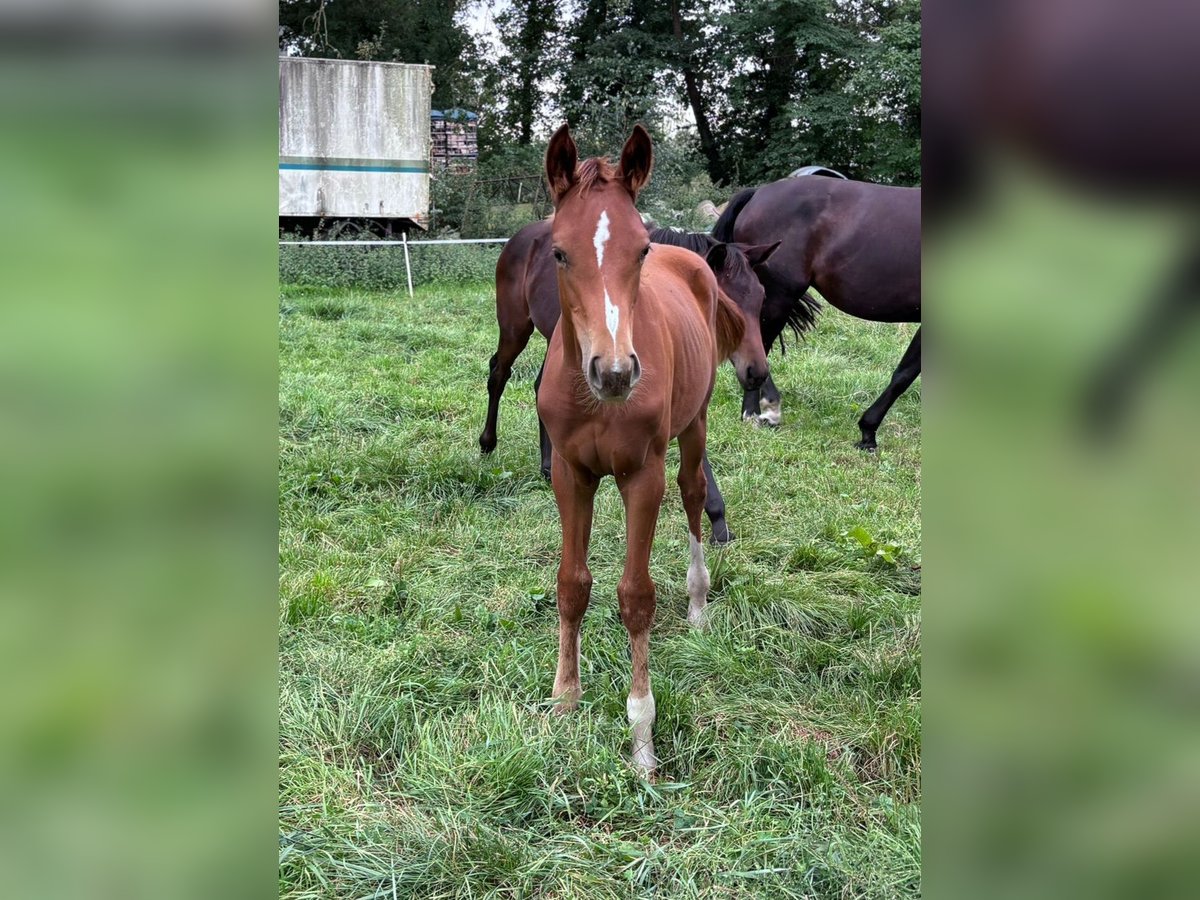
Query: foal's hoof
x,y
868,445
486,444
564,705
546,473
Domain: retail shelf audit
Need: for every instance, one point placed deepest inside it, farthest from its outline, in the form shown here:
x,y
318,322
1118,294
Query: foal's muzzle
x,y
612,380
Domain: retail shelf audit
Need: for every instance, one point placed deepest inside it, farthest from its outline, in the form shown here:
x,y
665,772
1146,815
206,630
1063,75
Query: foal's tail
x,y
731,327
723,229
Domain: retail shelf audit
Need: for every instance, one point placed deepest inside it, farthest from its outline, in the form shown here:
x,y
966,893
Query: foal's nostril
x,y
637,369
594,370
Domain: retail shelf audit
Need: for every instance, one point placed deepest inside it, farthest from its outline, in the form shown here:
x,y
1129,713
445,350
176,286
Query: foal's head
x,y
599,245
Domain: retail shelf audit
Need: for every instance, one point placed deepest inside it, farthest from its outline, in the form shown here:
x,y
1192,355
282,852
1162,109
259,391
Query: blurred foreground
x,y
1062,498
137,412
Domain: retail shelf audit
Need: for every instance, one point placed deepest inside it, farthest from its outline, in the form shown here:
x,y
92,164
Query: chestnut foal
x,y
630,366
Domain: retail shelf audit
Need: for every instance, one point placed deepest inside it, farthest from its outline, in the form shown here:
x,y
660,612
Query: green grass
x,y
418,632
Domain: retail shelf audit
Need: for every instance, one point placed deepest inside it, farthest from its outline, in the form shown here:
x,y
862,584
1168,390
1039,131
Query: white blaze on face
x,y
612,315
601,237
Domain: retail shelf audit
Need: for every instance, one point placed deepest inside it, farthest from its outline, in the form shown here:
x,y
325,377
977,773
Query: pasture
x,y
418,631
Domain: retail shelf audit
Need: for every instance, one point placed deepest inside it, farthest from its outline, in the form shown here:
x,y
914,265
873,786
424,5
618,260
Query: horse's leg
x,y
1172,310
574,492
714,506
543,436
770,407
750,401
905,374
693,463
642,492
513,339
765,406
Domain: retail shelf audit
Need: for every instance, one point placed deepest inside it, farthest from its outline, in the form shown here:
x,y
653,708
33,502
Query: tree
x,y
412,31
529,59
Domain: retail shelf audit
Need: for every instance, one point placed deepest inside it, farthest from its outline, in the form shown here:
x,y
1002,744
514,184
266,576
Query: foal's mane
x,y
594,171
730,326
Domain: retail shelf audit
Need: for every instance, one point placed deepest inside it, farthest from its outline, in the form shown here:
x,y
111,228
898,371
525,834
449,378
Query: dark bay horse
x,y
859,244
631,366
527,298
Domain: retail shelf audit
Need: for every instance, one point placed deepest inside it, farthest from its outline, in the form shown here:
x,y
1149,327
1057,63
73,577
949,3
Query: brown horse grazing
x,y
631,365
858,244
527,298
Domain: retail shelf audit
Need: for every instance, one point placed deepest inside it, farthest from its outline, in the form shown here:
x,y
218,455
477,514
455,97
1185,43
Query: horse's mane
x,y
697,242
731,327
590,172
723,229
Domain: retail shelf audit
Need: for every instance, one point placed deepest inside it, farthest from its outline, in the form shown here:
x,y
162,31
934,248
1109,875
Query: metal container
x,y
354,139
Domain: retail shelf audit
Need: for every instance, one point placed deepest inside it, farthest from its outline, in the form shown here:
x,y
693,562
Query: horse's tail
x,y
801,316
723,229
731,327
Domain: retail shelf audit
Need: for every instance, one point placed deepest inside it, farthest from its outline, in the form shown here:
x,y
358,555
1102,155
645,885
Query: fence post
x,y
407,266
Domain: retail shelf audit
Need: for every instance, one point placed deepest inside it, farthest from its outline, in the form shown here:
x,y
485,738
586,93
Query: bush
x,y
382,268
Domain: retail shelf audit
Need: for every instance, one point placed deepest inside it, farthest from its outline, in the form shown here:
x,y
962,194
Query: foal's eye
x,y
560,257
645,253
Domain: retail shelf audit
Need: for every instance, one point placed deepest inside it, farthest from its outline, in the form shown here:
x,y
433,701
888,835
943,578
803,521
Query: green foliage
x,y
382,268
418,756
412,31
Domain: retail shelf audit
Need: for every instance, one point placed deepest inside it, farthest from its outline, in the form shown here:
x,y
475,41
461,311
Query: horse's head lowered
x,y
734,266
599,245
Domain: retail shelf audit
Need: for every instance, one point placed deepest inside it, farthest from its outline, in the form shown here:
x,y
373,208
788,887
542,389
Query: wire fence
x,y
386,264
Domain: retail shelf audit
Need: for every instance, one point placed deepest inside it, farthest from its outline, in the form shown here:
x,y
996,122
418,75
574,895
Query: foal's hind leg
x,y
692,489
714,506
905,374
513,339
543,435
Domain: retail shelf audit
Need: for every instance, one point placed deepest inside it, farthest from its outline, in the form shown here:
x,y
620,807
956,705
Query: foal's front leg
x,y
574,491
642,492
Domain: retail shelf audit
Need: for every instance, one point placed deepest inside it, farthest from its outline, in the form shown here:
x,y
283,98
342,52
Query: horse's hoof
x,y
867,446
486,444
770,414
564,705
546,473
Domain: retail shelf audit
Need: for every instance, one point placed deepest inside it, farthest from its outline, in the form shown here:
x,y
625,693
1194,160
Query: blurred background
x,y
137,420
1060,165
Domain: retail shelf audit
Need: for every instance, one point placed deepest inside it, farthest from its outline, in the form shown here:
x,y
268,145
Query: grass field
x,y
418,632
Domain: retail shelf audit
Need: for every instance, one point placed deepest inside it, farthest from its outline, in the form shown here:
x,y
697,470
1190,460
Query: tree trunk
x,y
708,146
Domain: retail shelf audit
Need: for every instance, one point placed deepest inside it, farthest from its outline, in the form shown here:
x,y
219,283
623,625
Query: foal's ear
x,y
759,253
637,159
716,256
561,157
